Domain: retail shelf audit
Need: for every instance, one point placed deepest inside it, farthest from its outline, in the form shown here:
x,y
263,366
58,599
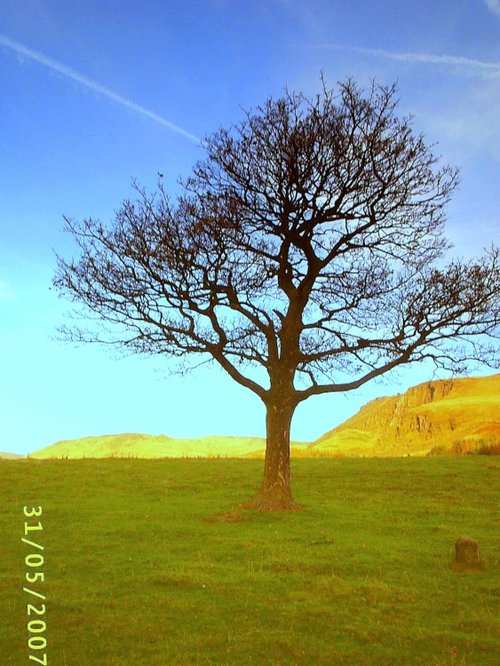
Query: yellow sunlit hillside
x,y
456,415
156,446
459,413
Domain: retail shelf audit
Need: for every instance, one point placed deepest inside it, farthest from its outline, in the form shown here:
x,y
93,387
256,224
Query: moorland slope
x,y
136,445
456,414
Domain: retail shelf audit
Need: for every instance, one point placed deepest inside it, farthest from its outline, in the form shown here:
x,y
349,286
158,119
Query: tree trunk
x,y
276,493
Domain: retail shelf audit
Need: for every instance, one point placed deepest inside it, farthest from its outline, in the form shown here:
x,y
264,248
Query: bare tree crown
x,y
303,254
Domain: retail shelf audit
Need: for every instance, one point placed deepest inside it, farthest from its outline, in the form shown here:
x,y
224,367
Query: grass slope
x,y
144,567
440,413
133,445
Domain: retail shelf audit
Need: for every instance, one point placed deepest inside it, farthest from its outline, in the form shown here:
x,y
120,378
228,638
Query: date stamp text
x,y
34,577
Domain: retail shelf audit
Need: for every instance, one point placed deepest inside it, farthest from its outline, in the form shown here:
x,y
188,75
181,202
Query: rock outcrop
x,y
444,413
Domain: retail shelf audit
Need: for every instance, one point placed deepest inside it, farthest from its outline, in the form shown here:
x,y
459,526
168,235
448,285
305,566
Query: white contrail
x,y
491,68
88,83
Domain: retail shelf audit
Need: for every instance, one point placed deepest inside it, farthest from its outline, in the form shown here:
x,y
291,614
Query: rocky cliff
x,y
460,412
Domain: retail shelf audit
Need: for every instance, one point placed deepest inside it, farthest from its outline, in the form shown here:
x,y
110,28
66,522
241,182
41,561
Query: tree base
x,y
271,503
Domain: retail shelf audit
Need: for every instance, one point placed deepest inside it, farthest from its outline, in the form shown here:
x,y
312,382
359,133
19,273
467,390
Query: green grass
x,y
144,567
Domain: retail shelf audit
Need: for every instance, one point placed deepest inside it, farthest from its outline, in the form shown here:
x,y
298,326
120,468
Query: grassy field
x,y
145,566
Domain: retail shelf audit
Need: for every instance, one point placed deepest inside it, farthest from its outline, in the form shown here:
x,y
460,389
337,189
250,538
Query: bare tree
x,y
304,257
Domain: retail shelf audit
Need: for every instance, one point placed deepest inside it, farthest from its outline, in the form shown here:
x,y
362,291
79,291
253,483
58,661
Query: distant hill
x,y
447,415
10,456
156,446
456,414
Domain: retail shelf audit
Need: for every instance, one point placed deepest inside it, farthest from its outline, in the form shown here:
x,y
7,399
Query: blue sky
x,y
93,94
